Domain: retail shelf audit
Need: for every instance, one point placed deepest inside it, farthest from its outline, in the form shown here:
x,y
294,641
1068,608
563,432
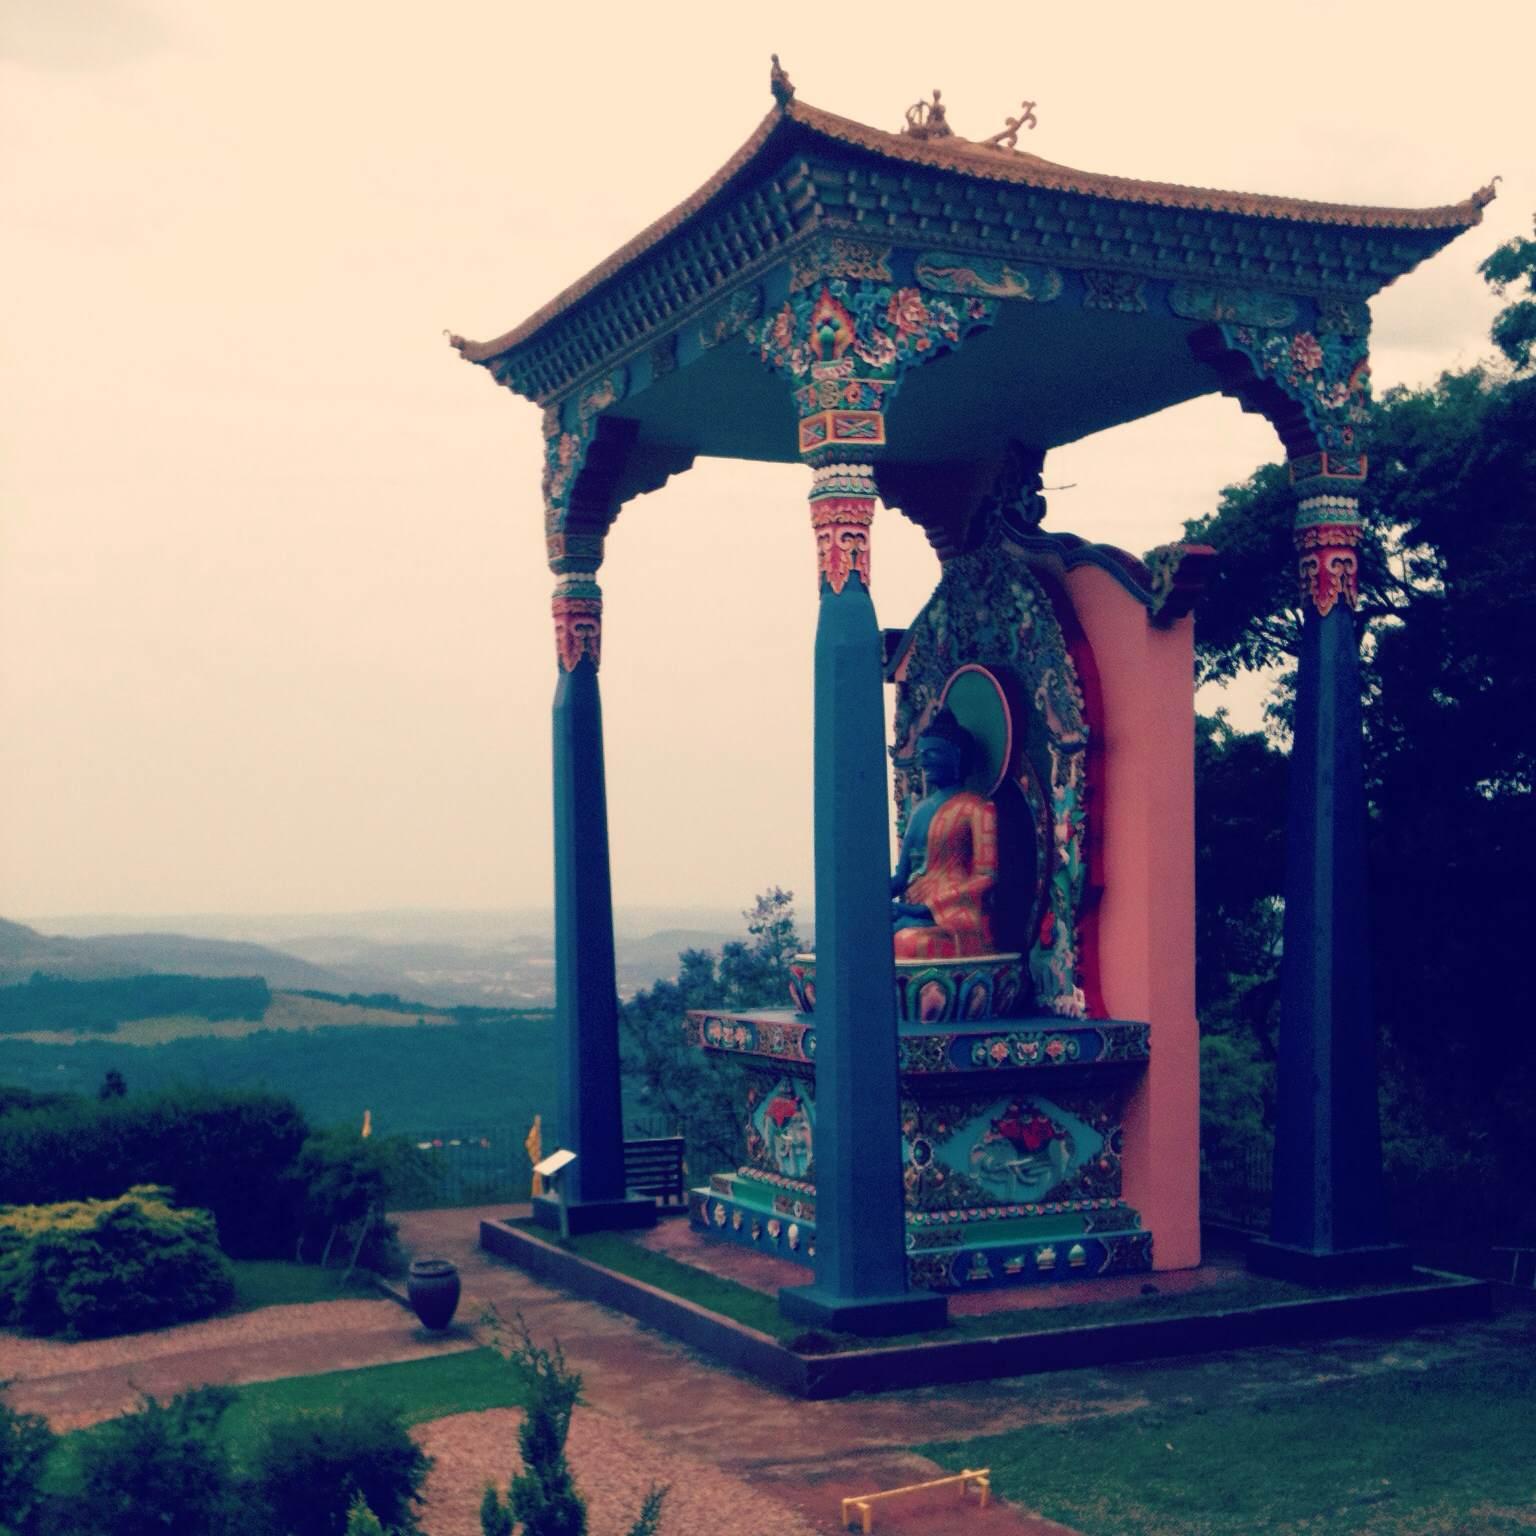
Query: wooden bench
x,y
864,1505
653,1165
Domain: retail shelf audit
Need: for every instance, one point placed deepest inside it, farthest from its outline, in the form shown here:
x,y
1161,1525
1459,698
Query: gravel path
x,y
614,1467
76,1384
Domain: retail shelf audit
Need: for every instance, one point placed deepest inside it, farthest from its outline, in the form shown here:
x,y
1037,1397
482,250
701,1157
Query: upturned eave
x,y
808,124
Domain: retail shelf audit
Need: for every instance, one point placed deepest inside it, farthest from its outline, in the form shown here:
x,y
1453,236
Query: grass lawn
x,y
422,1389
273,1283
752,1308
1445,1451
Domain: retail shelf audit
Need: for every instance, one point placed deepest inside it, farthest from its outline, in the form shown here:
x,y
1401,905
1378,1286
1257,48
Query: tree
x,y
1514,328
664,1075
1447,603
543,1497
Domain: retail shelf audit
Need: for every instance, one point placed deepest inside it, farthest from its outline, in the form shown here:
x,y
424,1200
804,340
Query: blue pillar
x,y
1329,1216
861,1265
589,1117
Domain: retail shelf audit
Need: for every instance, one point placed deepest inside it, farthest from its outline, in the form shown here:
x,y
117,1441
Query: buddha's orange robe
x,y
956,883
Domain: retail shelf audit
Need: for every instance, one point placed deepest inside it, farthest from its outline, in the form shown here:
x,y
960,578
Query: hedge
x,y
226,1152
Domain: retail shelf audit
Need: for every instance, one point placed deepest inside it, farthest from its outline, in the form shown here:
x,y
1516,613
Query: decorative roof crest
x,y
780,84
926,120
1009,137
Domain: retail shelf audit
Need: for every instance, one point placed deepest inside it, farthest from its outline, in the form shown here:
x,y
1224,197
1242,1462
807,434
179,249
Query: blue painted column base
x,y
596,1215
905,1312
1340,1266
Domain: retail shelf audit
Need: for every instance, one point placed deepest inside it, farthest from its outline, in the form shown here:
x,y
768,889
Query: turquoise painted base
x,y
596,1215
874,1316
962,1256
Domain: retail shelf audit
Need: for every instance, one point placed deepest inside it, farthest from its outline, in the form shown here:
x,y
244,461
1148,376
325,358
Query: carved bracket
x,y
1314,386
846,335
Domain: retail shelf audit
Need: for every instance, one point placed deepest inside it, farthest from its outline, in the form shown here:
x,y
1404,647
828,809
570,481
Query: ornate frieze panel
x,y
1099,1043
781,1128
731,317
1244,306
1347,317
784,1038
1123,292
829,256
663,356
945,272
1021,1154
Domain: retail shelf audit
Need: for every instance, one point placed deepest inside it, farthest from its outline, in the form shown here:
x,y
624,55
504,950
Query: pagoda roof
x,y
896,192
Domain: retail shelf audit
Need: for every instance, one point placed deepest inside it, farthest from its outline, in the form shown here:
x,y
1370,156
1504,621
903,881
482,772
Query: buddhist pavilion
x,y
919,318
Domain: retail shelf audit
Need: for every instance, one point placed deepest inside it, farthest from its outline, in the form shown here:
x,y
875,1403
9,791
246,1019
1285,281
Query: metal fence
x,y
1236,1186
477,1166
486,1164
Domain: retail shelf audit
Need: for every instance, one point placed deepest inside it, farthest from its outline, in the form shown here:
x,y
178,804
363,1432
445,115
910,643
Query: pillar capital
x,y
578,613
843,499
1327,527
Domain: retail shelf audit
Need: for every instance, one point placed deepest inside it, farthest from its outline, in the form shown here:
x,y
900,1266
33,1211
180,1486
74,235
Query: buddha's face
x,y
940,762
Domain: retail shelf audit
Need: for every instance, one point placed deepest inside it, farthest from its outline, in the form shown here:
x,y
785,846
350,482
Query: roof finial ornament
x,y
926,120
780,84
1009,137
1485,195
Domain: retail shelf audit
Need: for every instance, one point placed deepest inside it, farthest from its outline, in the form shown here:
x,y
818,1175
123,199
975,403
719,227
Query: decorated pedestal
x,y
1011,1146
1040,1139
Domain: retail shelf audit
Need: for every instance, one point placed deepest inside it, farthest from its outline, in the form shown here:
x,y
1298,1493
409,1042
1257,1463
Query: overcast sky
x,y
274,612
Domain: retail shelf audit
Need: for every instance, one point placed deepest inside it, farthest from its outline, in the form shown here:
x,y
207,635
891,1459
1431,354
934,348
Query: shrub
x,y
228,1152
308,1470
163,1471
361,1521
344,1180
542,1499
542,1496
96,1267
25,1445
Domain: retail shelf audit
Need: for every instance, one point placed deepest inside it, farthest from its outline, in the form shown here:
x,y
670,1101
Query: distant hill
x,y
515,971
24,951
